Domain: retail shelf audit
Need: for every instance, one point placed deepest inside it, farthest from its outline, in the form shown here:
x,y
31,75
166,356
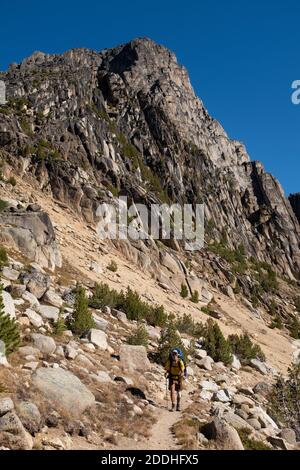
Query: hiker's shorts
x,y
178,383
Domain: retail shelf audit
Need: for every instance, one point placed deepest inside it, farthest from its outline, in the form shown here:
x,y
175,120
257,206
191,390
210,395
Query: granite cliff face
x,y
89,125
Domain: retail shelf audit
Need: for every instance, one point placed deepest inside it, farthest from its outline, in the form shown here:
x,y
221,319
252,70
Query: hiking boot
x,y
173,407
178,408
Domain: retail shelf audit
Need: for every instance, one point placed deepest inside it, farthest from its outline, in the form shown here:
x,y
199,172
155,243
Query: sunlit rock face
x,y
127,118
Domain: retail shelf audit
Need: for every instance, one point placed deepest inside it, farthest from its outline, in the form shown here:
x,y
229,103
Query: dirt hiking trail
x,y
161,437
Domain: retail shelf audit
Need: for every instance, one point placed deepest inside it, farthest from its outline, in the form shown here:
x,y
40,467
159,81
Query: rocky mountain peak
x,y
128,118
142,52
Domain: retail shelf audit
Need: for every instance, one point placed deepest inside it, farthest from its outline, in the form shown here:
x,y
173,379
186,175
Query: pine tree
x,y
294,328
244,349
215,343
285,398
3,257
9,331
113,266
140,337
60,325
195,297
81,320
184,291
169,340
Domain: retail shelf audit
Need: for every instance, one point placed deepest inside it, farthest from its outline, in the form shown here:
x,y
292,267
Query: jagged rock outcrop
x,y
32,232
126,120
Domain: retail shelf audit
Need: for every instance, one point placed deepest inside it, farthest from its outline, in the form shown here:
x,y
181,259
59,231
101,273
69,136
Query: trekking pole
x,y
167,393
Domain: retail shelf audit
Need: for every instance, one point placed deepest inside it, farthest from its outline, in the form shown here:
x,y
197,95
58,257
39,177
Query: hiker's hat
x,y
175,351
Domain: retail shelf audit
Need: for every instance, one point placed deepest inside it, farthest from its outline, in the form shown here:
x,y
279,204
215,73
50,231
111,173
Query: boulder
x,y
16,290
49,313
100,323
98,338
9,306
202,439
236,421
33,234
242,413
11,274
245,407
64,390
45,344
265,420
221,396
236,364
29,416
254,423
137,410
103,377
121,316
28,351
37,283
95,267
220,365
13,434
262,388
3,360
206,295
52,298
5,283
6,405
89,347
154,333
69,297
134,358
170,262
200,354
209,385
59,351
279,442
70,352
227,290
259,366
31,299
24,321
124,379
222,379
288,435
205,395
205,363
106,310
32,365
84,361
34,318
239,399
226,436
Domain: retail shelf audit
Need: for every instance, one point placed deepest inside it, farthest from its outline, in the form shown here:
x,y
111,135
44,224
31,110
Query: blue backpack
x,y
181,355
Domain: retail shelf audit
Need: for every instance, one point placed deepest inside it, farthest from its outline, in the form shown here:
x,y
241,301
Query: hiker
x,y
175,372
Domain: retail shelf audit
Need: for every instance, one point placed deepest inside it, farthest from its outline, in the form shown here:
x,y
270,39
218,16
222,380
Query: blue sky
x,y
242,57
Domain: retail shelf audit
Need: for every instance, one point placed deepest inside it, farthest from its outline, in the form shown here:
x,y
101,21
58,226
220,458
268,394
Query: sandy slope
x,y
80,245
